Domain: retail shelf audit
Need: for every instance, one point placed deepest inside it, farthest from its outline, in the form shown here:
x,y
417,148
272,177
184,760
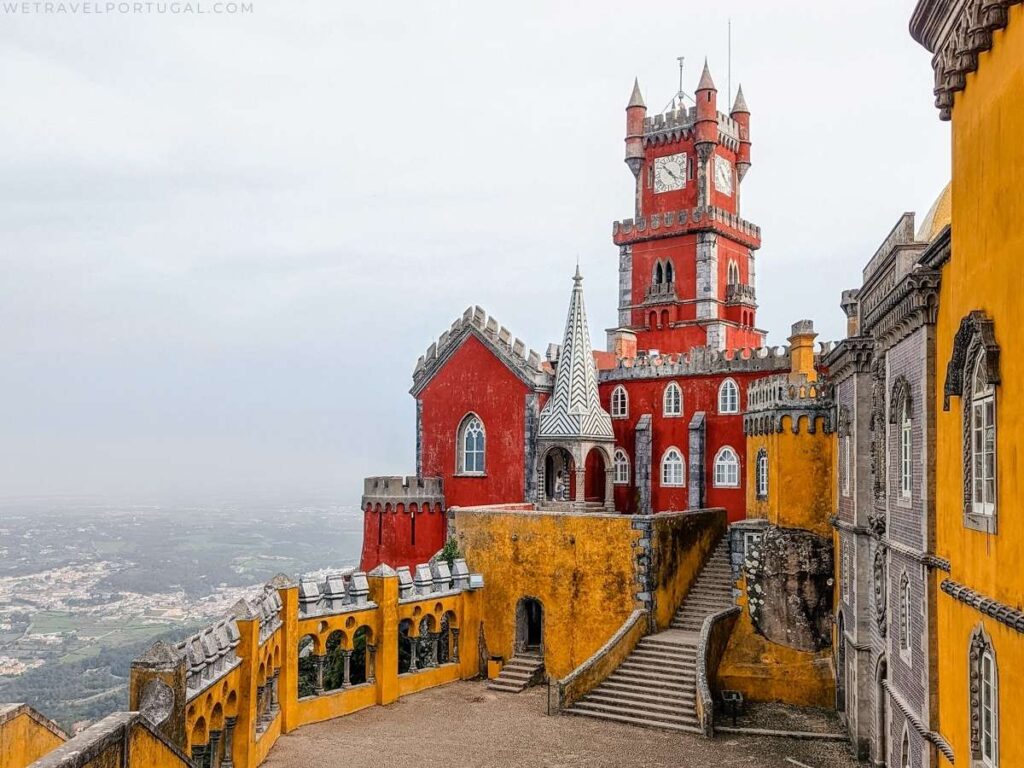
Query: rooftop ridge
x,y
513,351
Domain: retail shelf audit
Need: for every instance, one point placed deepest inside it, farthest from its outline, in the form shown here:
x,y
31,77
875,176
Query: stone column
x,y
347,679
414,652
371,663
609,488
199,755
273,694
214,745
455,644
581,485
260,714
229,738
318,683
434,639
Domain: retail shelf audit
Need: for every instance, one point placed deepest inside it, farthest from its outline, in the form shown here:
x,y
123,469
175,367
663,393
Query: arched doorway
x,y
529,625
559,475
595,476
881,714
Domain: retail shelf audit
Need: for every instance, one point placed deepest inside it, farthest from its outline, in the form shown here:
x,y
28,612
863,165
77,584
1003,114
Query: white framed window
x,y
989,722
620,464
673,469
472,446
904,612
620,403
983,442
906,451
761,474
727,468
673,400
844,464
728,397
734,272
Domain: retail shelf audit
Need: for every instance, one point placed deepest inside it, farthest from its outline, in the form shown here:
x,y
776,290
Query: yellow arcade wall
x,y
25,736
984,272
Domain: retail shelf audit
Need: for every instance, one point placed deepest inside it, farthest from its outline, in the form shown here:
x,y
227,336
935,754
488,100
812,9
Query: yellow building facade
x,y
979,65
26,735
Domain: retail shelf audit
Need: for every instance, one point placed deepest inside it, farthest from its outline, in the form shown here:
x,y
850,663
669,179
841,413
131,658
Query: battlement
x,y
410,487
675,124
771,399
339,592
512,351
209,655
673,223
702,361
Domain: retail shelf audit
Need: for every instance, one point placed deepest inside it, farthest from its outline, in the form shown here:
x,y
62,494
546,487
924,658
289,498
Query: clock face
x,y
723,175
670,172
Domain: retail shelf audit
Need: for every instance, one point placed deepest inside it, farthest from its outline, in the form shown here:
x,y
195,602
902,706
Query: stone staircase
x,y
519,673
656,686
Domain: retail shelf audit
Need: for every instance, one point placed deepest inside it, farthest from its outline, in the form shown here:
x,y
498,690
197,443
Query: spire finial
x,y
740,105
636,98
577,278
706,83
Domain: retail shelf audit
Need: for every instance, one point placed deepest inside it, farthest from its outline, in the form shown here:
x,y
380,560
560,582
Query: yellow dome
x,y
938,217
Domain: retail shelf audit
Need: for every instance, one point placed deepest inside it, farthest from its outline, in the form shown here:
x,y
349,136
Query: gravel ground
x,y
464,724
782,718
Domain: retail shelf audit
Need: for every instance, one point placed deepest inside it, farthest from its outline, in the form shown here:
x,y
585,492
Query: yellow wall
x,y
580,567
984,273
801,473
680,543
147,751
25,737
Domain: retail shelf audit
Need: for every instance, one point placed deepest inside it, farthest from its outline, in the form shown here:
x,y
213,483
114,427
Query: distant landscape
x,y
85,586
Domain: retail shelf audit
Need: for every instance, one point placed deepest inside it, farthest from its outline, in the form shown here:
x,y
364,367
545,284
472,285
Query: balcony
x,y
740,293
659,293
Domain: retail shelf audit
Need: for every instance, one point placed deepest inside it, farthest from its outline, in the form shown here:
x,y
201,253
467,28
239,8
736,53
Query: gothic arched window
x,y
734,273
761,474
983,442
905,749
673,401
728,397
984,701
472,443
620,403
904,612
659,274
672,473
621,466
727,468
669,276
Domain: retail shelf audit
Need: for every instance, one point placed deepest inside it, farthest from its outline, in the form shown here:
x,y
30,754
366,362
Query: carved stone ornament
x,y
976,334
881,591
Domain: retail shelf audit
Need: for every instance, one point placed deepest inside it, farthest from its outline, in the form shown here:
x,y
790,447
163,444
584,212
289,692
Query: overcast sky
x,y
225,240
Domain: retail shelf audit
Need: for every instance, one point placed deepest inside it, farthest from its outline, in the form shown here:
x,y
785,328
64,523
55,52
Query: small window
x,y
906,452
673,402
659,274
669,274
672,469
844,464
905,628
621,466
983,442
989,725
846,573
728,397
471,446
761,474
727,468
620,403
734,273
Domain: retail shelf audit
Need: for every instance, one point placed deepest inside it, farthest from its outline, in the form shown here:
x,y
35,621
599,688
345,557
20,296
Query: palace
x,y
686,513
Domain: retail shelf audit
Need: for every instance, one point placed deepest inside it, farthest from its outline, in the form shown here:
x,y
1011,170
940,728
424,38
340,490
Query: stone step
x,y
659,662
509,674
668,725
672,673
498,685
660,656
653,706
673,644
641,690
659,677
677,686
678,718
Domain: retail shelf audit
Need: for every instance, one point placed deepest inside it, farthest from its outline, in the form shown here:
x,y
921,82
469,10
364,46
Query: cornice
x,y
939,250
911,304
851,355
1004,614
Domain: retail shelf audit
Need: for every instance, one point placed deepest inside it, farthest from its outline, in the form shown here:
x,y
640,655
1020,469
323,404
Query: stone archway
x,y
559,475
881,714
529,625
595,474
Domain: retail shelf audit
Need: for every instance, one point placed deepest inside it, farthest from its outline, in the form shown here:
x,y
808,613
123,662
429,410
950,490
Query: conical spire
x,y
574,410
636,99
706,83
740,105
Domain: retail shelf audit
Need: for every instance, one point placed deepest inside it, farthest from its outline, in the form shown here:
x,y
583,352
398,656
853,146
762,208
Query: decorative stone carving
x,y
156,702
975,335
881,591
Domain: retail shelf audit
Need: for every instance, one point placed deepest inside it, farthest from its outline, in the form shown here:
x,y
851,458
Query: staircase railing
x,y
600,665
714,636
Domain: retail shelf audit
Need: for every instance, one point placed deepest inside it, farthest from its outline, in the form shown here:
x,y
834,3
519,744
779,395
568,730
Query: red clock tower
x,y
686,258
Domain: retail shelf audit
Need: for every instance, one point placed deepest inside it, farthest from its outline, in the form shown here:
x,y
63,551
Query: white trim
x,y
617,465
990,756
460,447
726,463
682,468
676,409
726,405
619,410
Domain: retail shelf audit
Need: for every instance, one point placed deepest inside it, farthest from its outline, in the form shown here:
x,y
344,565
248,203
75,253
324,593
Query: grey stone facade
x,y
883,374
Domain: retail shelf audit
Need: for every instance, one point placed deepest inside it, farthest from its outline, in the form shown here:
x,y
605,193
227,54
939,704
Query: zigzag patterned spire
x,y
574,410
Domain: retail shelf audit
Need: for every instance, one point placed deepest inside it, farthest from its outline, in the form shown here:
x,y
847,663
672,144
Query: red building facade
x,y
653,424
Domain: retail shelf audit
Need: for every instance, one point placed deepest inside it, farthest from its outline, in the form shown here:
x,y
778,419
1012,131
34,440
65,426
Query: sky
x,y
226,238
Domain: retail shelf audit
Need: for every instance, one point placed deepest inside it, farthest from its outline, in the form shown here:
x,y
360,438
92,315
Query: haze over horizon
x,y
226,239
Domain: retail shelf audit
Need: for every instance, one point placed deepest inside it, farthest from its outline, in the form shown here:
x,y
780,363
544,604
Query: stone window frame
x,y
844,465
725,463
761,475
728,397
733,273
982,651
847,570
905,748
460,447
974,353
620,403
902,418
905,614
672,410
664,465
620,467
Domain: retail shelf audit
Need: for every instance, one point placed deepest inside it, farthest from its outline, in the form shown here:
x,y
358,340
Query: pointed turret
x,y
706,126
739,106
741,114
636,111
706,83
574,412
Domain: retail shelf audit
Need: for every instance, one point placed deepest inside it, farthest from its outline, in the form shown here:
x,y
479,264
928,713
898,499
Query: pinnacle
x,y
636,99
706,83
740,105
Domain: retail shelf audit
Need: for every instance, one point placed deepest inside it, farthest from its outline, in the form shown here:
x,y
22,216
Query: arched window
x,y
734,273
669,276
673,400
672,469
728,397
727,468
620,403
659,274
761,474
904,612
906,445
983,441
989,725
621,467
472,442
844,464
905,749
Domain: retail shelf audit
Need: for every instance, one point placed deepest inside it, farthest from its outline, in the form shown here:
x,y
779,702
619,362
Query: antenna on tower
x,y
679,100
681,60
729,84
